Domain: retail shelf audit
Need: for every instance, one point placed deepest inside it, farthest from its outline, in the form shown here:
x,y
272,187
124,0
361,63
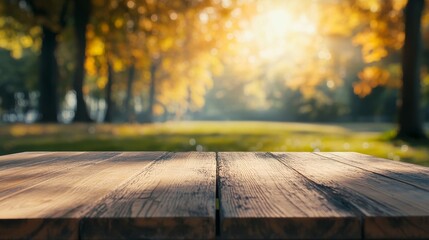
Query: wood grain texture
x,y
174,198
27,159
157,195
52,207
390,208
405,172
261,198
20,172
21,156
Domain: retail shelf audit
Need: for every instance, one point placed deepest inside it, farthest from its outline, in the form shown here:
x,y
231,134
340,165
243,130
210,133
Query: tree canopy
x,y
146,60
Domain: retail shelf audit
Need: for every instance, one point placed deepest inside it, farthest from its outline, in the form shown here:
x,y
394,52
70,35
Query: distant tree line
x,y
146,60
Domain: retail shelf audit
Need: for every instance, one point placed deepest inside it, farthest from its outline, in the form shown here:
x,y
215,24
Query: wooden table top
x,y
207,195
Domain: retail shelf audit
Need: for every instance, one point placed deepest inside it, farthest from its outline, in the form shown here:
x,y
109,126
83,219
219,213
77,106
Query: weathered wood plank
x,y
390,208
31,158
261,198
174,198
21,156
28,172
53,207
405,172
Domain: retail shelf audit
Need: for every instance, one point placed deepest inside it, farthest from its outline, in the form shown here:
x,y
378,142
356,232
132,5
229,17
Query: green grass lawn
x,y
374,139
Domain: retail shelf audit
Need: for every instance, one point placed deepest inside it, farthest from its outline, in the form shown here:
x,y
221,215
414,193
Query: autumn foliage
x,y
169,59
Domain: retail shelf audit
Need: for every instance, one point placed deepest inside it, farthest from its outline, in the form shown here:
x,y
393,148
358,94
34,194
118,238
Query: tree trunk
x,y
109,106
129,110
82,10
48,101
152,90
410,117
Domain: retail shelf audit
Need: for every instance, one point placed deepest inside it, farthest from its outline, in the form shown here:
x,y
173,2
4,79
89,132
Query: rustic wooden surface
x,y
262,198
389,208
162,195
48,198
408,173
173,198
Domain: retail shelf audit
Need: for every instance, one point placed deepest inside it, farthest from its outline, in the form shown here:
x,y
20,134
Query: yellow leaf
x,y
90,66
26,41
96,47
166,43
361,89
372,5
16,52
118,65
101,82
374,76
119,22
146,24
398,5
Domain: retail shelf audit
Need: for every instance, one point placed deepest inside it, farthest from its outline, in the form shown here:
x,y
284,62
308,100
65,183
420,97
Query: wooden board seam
x,y
217,196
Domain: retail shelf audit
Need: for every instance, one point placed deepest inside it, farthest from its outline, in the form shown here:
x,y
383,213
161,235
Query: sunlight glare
x,y
280,23
277,22
278,30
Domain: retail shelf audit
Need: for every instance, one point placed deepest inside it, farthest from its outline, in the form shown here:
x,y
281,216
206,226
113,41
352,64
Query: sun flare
x,y
279,29
281,23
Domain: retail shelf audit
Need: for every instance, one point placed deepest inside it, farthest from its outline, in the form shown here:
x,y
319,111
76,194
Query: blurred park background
x,y
215,75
